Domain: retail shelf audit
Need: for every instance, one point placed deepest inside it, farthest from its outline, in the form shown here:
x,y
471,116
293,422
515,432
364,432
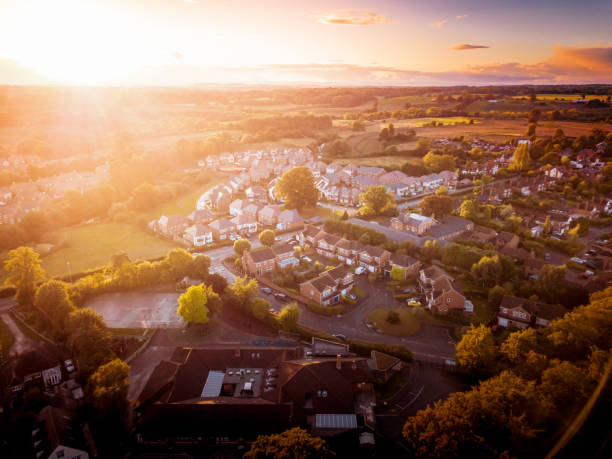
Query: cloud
x,y
353,17
439,24
465,46
462,16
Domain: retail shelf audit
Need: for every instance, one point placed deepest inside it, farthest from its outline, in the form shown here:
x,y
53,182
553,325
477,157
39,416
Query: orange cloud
x,y
462,16
465,46
439,24
353,17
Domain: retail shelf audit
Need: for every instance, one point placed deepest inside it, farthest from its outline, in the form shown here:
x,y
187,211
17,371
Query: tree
x,y
398,273
297,188
430,250
437,205
477,350
245,290
358,125
442,190
242,245
52,299
261,308
547,226
295,443
438,163
24,272
495,296
266,237
521,158
534,115
377,198
289,316
337,148
488,270
564,385
179,262
531,130
345,215
200,266
393,317
192,304
89,339
551,283
108,389
217,282
469,209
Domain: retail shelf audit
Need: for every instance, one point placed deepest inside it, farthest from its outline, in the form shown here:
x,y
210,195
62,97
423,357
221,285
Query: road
x,y
22,343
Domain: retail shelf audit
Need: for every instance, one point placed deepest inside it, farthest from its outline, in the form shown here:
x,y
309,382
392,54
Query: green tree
x,y
52,299
108,389
551,284
24,271
488,270
547,226
200,266
261,308
398,273
469,209
297,188
289,316
89,339
217,282
521,159
564,385
495,296
358,125
438,206
192,304
377,198
393,317
438,163
477,349
266,237
245,290
531,130
179,261
242,245
295,443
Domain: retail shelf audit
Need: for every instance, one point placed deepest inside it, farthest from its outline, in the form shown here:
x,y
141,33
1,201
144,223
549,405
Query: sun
x,y
77,42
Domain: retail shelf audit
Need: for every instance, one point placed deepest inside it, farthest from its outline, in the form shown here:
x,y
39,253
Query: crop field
x,y
394,103
91,246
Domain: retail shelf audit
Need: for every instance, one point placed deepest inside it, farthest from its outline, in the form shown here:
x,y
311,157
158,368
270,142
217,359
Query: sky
x,y
333,42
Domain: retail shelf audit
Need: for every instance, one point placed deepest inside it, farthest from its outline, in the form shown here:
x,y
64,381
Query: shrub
x,y
393,317
325,310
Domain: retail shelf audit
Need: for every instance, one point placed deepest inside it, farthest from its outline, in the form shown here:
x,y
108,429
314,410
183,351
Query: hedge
x,y
365,348
325,310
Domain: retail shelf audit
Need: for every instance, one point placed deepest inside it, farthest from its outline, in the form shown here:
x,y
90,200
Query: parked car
x,y
280,296
339,336
360,270
577,260
414,303
69,366
266,290
351,296
547,256
305,258
409,290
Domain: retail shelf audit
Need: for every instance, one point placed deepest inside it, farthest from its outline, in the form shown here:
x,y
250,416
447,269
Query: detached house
x,y
222,229
289,220
198,235
329,287
441,293
202,216
268,215
372,258
245,224
236,207
523,313
308,235
259,262
172,225
409,264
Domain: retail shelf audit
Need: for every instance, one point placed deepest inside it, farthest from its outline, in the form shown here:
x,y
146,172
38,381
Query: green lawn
x,y
410,321
91,246
6,340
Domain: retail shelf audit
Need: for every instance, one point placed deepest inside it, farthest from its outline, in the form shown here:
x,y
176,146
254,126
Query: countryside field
x,y
91,246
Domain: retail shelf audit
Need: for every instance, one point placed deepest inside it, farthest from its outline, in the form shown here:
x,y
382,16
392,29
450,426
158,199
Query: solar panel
x,y
213,384
336,421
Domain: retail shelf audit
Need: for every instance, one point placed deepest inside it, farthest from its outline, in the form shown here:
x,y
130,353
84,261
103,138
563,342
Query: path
x,y
22,343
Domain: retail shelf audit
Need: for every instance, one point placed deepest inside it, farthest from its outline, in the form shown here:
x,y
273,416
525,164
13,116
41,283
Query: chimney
x,y
338,362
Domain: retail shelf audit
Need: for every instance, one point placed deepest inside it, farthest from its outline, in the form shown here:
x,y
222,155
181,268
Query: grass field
x,y
400,102
562,97
410,321
6,340
392,162
91,246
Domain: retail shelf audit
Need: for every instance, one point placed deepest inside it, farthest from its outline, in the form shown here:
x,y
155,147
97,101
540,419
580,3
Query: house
x,y
202,216
222,202
533,266
370,171
393,177
329,287
523,313
409,264
285,255
222,229
384,366
258,262
333,168
256,193
442,295
505,240
325,243
251,210
230,395
372,258
481,234
58,435
289,220
245,224
418,224
172,225
236,207
268,215
198,235
346,250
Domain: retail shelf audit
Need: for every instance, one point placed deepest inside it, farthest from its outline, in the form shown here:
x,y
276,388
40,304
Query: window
x,y
448,300
60,453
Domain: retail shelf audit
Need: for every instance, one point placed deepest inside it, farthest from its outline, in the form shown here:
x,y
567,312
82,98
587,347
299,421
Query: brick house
x,y
505,239
245,224
285,255
325,243
372,258
222,229
329,287
251,210
172,225
289,220
384,366
268,215
259,262
523,313
202,216
198,235
308,235
236,207
442,295
409,264
418,224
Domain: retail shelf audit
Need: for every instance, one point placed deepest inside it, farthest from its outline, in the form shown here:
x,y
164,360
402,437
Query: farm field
x,y
562,97
400,102
92,245
390,162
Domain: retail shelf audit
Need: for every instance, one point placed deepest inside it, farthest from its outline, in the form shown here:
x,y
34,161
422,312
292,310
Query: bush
x,y
325,310
393,317
365,348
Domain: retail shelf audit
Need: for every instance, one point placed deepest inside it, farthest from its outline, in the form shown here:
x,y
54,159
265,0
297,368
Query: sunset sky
x,y
172,42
